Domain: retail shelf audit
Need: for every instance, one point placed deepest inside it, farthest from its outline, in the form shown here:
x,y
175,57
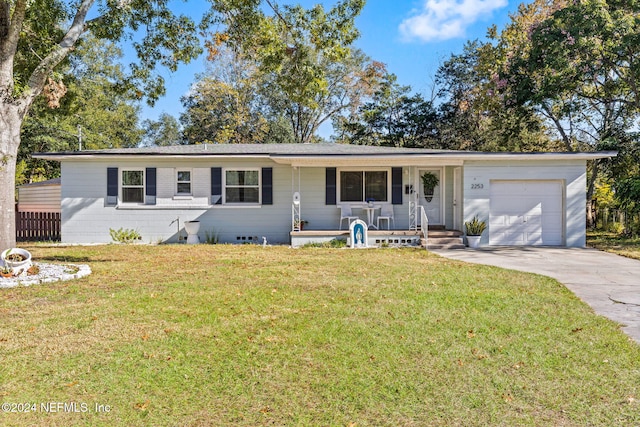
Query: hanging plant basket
x,y
429,182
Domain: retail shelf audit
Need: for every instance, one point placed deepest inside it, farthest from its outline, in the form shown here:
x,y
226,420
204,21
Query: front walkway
x,y
609,283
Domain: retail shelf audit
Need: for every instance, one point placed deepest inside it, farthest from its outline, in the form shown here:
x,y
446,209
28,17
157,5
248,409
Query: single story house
x,y
252,192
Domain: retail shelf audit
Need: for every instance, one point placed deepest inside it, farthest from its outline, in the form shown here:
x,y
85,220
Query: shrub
x,y
124,235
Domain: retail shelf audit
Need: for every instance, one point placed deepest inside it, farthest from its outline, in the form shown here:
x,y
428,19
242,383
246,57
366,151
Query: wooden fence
x,y
37,226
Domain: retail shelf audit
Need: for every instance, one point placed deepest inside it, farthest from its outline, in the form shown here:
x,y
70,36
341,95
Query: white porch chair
x,y
345,213
386,213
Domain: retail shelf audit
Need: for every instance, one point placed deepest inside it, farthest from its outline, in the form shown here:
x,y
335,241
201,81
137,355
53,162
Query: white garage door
x,y
526,213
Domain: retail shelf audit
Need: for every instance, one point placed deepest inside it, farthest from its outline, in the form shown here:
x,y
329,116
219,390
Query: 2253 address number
x,y
477,186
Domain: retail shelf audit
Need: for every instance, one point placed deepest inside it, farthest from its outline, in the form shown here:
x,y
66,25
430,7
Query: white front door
x,y
432,204
526,213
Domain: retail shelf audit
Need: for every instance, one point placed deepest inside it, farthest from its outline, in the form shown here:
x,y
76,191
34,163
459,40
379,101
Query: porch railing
x,y
424,226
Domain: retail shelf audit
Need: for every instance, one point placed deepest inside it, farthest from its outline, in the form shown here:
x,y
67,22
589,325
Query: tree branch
x,y
39,76
9,35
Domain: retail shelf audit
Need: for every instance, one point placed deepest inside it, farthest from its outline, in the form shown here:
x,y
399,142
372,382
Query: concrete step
x,y
448,246
444,234
447,241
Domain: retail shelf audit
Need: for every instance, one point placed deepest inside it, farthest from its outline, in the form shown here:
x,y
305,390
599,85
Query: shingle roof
x,y
322,149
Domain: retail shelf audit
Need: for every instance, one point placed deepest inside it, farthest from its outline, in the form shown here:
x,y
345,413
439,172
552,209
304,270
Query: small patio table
x,y
370,214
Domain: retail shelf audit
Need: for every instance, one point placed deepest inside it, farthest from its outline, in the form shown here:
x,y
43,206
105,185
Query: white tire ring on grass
x,y
48,273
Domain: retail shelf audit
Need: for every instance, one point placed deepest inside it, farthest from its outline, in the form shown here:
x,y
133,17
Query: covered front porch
x,y
390,195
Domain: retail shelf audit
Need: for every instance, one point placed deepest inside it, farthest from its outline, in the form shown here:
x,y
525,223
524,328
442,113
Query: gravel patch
x,y
48,273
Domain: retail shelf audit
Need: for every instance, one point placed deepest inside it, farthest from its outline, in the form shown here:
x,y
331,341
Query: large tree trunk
x,y
10,122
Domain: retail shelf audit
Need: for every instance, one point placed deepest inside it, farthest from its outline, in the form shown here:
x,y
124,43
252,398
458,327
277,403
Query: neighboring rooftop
x,y
54,181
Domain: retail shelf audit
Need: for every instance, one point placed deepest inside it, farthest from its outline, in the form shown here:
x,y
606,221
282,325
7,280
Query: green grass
x,y
250,336
614,243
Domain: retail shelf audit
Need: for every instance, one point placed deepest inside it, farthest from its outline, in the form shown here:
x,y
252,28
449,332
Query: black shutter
x,y
112,187
216,186
330,188
150,186
267,186
396,186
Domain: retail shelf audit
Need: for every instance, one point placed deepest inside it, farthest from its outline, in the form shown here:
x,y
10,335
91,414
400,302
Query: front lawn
x,y
250,336
614,243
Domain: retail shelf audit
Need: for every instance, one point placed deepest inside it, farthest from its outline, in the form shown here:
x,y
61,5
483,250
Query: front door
x,y
432,203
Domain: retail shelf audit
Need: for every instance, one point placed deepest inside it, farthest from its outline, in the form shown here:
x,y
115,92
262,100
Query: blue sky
x,y
412,37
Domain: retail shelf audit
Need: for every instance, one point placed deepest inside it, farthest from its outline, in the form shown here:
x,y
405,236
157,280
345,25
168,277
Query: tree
x,y
345,85
305,60
474,115
579,70
392,118
224,105
36,37
93,113
164,131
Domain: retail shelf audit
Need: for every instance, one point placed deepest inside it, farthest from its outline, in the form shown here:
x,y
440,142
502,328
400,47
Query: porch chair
x,y
345,213
386,213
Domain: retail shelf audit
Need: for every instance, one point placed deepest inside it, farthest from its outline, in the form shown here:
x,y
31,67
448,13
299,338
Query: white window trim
x,y
224,186
363,169
175,174
121,186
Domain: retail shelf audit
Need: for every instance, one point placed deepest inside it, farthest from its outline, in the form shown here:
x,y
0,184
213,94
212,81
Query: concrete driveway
x,y
609,283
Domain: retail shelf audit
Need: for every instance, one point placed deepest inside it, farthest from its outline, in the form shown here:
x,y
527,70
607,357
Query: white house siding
x,y
478,176
86,219
39,198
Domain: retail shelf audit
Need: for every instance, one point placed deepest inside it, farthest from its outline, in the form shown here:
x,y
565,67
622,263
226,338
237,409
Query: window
x,y
133,186
183,182
360,186
242,186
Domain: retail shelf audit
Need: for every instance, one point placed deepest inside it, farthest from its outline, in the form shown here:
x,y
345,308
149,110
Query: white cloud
x,y
446,19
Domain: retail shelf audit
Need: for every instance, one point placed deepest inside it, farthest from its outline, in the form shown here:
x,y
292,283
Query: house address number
x,y
477,186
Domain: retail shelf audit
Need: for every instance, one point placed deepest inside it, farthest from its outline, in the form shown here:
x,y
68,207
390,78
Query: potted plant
x,y
429,182
299,224
6,271
16,259
474,229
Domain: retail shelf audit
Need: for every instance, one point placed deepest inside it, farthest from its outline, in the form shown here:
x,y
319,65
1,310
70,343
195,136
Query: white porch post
x,y
413,202
296,217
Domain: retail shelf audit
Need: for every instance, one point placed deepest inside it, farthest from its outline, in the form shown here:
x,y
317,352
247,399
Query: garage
x,y
526,212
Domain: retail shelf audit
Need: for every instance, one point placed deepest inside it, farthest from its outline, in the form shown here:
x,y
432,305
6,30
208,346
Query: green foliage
x,y
211,237
93,111
475,227
628,192
124,235
393,118
429,182
304,68
225,106
474,114
165,131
